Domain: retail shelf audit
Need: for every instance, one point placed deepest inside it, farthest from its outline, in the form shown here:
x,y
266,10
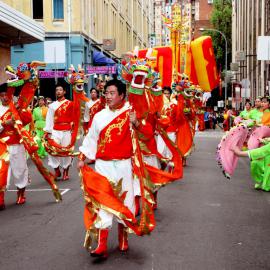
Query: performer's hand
x,y
133,119
238,151
235,149
46,134
10,122
80,164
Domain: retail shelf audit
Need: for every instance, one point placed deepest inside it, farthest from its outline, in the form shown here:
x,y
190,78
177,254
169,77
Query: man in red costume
x,y
88,105
17,155
109,143
169,111
59,125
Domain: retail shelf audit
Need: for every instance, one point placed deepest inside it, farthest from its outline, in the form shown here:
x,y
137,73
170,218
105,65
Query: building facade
x,y
202,11
196,14
250,19
75,29
15,29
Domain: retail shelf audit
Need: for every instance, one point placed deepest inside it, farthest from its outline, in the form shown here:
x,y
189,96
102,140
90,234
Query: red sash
x,y
97,107
3,166
9,131
171,112
63,116
115,139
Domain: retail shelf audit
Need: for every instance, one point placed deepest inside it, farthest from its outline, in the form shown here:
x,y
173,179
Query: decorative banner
x,y
101,69
205,63
189,67
164,63
48,74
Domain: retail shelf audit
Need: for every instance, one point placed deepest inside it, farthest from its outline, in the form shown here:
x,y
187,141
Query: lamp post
x,y
226,48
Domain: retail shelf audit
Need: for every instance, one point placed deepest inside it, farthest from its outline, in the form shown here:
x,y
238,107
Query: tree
x,y
221,19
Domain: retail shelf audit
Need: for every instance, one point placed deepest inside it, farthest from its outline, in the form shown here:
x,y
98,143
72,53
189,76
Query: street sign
x,y
48,74
152,40
228,75
101,69
109,44
263,48
240,56
245,83
245,92
234,66
220,104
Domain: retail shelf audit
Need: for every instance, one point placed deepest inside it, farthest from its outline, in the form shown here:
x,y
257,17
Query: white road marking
x,y
213,134
214,204
43,189
64,191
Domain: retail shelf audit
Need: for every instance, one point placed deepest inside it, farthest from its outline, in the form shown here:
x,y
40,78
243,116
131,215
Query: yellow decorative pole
x,y
174,24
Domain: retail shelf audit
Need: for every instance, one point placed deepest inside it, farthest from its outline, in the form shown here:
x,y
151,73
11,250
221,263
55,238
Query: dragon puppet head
x,y
157,95
198,93
76,78
184,87
140,77
25,72
137,73
26,75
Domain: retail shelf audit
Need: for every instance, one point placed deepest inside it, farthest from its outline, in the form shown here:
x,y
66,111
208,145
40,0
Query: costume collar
x,y
61,99
120,106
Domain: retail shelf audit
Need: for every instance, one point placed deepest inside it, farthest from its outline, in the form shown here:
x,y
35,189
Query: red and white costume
x,y
170,111
112,151
17,154
88,105
59,125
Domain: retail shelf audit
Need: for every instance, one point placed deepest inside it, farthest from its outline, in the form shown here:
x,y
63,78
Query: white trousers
x,y
17,166
63,138
116,170
162,148
150,160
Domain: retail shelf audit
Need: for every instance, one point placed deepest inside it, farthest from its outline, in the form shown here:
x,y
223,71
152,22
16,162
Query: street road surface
x,y
204,221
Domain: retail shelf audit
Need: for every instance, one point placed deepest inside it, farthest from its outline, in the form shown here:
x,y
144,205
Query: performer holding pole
x,y
58,125
109,142
17,154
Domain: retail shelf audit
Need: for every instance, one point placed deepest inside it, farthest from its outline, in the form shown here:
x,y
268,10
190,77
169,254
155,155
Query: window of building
x,y
267,17
37,9
58,9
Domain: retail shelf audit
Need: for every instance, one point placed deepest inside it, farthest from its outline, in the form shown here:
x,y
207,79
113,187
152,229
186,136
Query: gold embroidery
x,y
6,116
64,106
107,137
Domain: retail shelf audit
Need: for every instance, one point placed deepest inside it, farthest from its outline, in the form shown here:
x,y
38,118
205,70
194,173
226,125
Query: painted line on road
x,y
64,191
43,189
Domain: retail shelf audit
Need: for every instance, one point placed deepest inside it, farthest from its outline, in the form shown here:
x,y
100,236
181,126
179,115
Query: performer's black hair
x,y
267,98
92,89
248,101
168,88
3,87
60,85
121,87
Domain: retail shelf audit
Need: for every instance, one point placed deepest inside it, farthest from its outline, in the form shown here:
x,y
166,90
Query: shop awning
x,y
100,59
17,28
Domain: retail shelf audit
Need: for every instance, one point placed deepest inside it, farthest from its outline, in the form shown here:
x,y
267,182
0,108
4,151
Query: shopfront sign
x,y
49,74
101,69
